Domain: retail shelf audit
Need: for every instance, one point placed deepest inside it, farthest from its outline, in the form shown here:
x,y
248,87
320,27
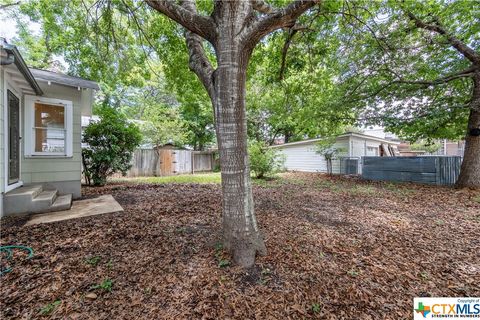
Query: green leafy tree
x,y
163,125
428,146
292,82
110,143
264,161
414,67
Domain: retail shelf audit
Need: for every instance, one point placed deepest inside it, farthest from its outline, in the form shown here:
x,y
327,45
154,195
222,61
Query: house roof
x,y
63,79
32,75
13,53
347,134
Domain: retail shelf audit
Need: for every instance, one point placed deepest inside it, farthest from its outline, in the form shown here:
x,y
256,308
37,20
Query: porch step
x,y
43,201
35,199
62,203
25,191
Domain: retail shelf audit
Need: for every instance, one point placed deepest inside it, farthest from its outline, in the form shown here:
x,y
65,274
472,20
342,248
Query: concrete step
x,y
43,201
19,201
35,199
30,191
62,203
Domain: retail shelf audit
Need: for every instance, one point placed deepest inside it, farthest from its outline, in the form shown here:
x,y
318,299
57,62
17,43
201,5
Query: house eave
x,y
23,68
345,135
63,79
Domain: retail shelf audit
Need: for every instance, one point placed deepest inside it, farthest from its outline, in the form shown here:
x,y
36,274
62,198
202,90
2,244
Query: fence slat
x,y
151,162
429,170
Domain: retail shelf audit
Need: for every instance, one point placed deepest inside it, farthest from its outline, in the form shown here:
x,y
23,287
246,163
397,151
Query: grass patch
x,y
329,185
184,178
220,255
316,308
270,182
93,261
106,285
477,199
201,178
46,310
398,188
362,190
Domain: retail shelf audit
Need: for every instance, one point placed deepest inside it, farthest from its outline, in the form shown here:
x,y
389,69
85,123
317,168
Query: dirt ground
x,y
338,248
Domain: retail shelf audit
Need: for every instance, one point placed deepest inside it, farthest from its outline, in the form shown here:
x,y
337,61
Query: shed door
x,y
166,158
13,138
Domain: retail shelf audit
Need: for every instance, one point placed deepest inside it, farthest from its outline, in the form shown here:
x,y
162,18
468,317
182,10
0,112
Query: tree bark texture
x,y
233,29
241,235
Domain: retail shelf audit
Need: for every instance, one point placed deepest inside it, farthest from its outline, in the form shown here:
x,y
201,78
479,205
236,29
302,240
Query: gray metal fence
x,y
429,169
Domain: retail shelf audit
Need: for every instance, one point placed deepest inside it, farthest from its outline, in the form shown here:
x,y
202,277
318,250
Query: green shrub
x,y
110,145
264,161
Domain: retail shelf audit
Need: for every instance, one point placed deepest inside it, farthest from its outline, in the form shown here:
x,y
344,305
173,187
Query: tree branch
x,y
279,18
262,7
198,60
286,46
5,6
190,20
462,74
461,47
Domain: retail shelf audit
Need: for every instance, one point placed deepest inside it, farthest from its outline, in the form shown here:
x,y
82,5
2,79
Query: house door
x,y
13,138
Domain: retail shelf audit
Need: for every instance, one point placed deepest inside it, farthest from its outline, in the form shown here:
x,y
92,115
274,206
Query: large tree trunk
x,y
470,170
241,235
233,29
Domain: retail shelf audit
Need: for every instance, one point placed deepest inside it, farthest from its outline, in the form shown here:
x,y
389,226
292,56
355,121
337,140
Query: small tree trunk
x,y
241,235
470,170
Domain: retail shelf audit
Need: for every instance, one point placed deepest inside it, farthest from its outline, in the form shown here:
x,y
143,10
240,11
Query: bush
x,y
264,161
110,145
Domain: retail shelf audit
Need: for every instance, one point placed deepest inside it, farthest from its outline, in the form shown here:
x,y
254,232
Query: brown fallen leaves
x,y
339,248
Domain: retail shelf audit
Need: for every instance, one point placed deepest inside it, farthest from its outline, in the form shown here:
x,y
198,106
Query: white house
x,y
40,135
304,156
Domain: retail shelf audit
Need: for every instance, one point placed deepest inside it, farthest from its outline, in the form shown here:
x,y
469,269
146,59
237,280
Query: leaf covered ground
x,y
338,248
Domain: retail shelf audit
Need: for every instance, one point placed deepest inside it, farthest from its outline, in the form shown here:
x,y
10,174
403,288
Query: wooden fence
x,y
428,169
167,162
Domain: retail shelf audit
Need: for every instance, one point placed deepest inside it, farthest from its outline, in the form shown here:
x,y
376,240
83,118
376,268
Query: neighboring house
x,y
446,148
449,148
303,155
379,132
40,135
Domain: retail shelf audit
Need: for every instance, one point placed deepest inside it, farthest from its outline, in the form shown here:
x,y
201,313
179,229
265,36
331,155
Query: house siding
x,y
304,157
2,137
363,147
59,172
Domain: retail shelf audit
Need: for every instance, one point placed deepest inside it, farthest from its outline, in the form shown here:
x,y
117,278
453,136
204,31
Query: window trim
x,y
30,131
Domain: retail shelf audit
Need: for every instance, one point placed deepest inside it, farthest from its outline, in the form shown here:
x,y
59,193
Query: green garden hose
x,y
9,251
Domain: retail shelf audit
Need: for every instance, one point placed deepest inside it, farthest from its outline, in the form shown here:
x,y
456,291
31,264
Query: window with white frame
x,y
48,127
372,151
